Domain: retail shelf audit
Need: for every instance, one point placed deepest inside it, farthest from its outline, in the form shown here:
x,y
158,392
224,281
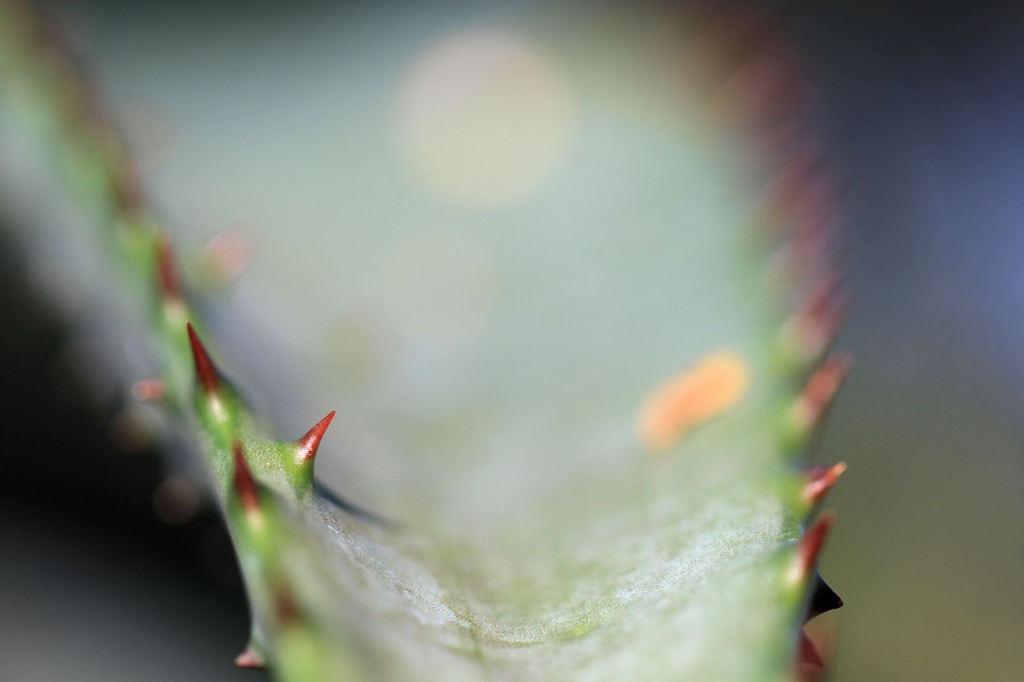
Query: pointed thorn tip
x,y
206,372
820,481
823,599
310,443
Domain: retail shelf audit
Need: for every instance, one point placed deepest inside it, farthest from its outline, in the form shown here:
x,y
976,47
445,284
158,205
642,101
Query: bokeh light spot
x,y
485,119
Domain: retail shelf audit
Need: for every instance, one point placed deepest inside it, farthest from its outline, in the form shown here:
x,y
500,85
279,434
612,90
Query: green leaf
x,y
544,295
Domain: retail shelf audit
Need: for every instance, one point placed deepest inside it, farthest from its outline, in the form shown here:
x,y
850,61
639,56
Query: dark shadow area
x,y
94,584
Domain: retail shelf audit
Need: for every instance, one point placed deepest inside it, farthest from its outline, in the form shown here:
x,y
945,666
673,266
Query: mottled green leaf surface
x,y
487,330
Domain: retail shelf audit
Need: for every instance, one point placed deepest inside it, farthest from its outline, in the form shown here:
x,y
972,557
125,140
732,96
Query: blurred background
x,y
919,106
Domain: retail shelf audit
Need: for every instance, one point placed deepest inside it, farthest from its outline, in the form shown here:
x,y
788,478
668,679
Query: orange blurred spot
x,y
149,390
712,386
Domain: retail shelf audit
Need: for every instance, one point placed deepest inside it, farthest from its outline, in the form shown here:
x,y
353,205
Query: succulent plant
x,y
567,513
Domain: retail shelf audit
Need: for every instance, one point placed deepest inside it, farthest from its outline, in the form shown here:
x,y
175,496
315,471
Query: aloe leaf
x,y
580,438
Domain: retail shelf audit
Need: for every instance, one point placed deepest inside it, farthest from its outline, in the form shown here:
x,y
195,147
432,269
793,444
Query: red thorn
x,y
205,369
824,319
810,545
167,269
821,388
250,660
807,652
149,390
820,480
245,485
310,443
818,321
827,379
